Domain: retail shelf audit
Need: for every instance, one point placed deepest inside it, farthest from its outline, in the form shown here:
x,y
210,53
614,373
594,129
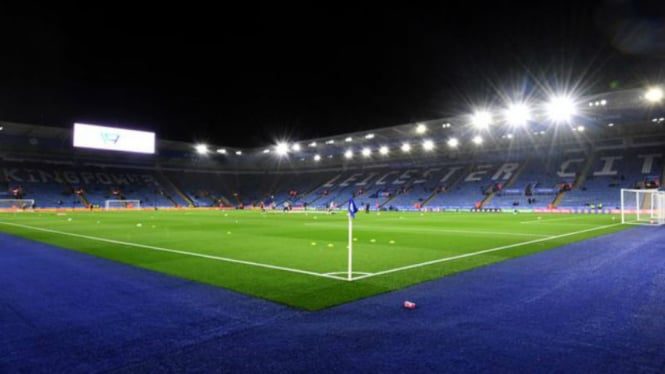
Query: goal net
x,y
642,207
122,204
17,204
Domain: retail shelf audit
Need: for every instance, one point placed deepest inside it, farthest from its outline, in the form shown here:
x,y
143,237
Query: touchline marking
x,y
442,231
224,259
555,219
479,252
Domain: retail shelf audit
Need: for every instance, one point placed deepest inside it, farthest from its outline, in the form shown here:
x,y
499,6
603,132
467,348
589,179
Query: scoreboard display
x,y
113,139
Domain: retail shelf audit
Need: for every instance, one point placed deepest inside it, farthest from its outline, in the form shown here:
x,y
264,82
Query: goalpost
x,y
17,204
122,204
642,207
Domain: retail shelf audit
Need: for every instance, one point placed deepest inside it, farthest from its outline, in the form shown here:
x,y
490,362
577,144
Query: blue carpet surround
x,y
591,307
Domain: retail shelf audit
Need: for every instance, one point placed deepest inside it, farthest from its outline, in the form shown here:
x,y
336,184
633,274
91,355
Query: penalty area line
x,y
445,259
193,254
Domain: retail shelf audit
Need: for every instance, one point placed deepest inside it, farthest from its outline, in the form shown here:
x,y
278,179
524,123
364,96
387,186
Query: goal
x,y
642,207
17,204
122,204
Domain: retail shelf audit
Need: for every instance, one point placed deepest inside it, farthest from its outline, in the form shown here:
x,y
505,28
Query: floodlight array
x,y
516,118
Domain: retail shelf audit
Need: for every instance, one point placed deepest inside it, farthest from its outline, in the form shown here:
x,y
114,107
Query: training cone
x,y
409,305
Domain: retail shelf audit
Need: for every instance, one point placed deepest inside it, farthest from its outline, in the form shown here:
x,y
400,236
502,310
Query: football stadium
x,y
526,238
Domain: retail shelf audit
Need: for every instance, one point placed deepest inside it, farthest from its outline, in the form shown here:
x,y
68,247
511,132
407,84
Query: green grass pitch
x,y
300,259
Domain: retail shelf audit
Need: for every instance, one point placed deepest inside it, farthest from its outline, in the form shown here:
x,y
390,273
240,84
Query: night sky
x,y
247,76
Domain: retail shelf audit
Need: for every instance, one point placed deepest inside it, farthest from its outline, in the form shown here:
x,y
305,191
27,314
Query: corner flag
x,y
353,209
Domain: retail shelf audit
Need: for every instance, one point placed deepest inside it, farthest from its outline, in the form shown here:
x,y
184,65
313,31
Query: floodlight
x,y
317,158
266,151
453,142
654,94
517,114
201,149
221,151
580,128
331,141
481,119
282,148
366,152
238,153
348,154
421,129
348,139
560,109
478,140
383,150
312,144
428,145
295,147
406,147
369,136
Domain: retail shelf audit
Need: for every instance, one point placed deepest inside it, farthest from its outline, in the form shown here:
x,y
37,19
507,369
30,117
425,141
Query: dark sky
x,y
245,76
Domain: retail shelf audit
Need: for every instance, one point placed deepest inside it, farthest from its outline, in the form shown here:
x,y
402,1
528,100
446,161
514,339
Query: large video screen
x,y
113,138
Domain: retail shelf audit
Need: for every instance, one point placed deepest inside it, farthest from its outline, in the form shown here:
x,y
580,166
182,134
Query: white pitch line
x,y
479,252
554,219
161,249
442,231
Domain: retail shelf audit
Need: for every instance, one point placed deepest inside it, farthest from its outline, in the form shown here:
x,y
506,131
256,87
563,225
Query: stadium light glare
x,y
406,147
428,145
348,154
312,144
580,128
421,129
201,149
366,152
517,114
453,142
348,139
295,147
477,140
317,157
221,151
331,141
654,95
369,136
481,120
384,150
282,149
266,150
561,109
238,153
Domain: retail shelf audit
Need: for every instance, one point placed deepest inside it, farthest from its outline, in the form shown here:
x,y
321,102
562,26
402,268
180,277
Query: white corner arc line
x,y
161,249
479,252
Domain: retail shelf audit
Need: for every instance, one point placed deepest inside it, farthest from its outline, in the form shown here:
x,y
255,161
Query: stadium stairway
x,y
166,181
583,174
508,184
557,199
225,201
455,182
